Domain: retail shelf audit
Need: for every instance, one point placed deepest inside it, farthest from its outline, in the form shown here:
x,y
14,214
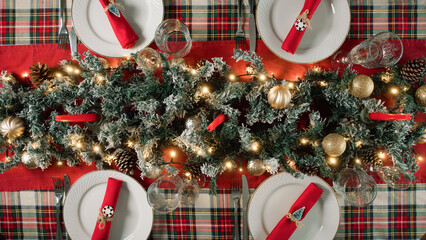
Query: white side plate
x,y
133,216
94,30
274,197
330,26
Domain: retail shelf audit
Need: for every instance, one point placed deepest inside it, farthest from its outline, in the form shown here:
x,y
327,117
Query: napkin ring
x,y
105,215
302,21
296,216
114,8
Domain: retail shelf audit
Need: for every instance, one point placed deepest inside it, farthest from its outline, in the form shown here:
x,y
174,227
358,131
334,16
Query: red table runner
x,y
21,178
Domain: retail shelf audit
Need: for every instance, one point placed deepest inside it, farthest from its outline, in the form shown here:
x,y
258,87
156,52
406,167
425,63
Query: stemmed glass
x,y
395,177
358,188
382,50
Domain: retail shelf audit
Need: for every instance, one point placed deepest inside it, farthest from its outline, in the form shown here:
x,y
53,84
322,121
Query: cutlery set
x,y
236,197
65,37
60,195
239,34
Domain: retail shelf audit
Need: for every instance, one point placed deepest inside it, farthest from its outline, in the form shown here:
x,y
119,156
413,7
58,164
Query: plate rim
x,y
78,36
292,61
275,175
115,172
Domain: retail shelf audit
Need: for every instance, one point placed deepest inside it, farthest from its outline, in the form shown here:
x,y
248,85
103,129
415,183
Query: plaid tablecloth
x,y
393,215
37,21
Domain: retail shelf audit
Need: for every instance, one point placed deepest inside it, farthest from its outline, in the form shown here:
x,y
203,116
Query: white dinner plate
x,y
330,26
133,216
94,30
274,197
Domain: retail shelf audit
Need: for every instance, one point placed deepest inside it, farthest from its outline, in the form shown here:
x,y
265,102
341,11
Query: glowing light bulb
x,y
262,77
97,148
357,161
193,71
229,164
172,154
77,71
241,169
304,141
69,69
420,158
290,85
58,75
317,69
9,141
332,160
205,90
381,155
255,146
79,145
232,77
60,163
394,90
130,143
359,143
210,150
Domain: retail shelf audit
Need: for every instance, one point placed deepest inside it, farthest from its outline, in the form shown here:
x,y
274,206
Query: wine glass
x,y
382,50
173,37
165,193
190,192
358,188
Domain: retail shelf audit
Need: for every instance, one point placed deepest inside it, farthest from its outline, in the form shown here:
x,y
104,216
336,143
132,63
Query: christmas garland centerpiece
x,y
316,126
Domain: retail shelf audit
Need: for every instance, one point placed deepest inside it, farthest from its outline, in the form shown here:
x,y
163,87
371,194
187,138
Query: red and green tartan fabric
x,y
393,215
37,21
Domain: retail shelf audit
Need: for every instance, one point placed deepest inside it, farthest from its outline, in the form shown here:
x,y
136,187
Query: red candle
x,y
388,116
216,122
89,117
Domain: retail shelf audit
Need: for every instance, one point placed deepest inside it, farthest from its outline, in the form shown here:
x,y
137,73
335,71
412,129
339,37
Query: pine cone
x,y
40,73
124,160
414,70
194,169
308,170
371,158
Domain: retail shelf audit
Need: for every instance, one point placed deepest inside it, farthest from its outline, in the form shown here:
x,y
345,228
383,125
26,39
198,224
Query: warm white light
x,y
359,143
232,77
9,141
255,146
262,77
25,75
172,154
58,75
96,148
200,152
304,141
323,83
394,90
332,160
317,69
78,145
130,143
229,164
382,155
290,85
188,174
210,150
68,69
77,71
60,163
193,71
420,158
241,169
205,89
358,161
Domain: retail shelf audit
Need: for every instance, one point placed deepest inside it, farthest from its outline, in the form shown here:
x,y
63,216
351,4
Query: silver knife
x,y
246,196
252,27
73,41
67,185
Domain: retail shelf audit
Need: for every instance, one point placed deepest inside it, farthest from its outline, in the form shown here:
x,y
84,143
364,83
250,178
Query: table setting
x,y
269,119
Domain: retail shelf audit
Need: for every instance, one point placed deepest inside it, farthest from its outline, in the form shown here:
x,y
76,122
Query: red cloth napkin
x,y
110,200
285,227
124,33
294,36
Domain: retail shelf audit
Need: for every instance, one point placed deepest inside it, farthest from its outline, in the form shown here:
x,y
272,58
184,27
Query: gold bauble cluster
x,y
279,97
12,127
421,96
361,86
255,167
334,144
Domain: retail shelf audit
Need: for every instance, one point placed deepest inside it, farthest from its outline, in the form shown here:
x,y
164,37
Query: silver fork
x,y
240,37
59,192
235,195
63,32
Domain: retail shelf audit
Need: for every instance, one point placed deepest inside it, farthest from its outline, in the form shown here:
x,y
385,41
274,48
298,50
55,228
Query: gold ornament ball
x,y
105,63
361,86
334,144
28,161
279,97
12,127
152,171
256,167
421,96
